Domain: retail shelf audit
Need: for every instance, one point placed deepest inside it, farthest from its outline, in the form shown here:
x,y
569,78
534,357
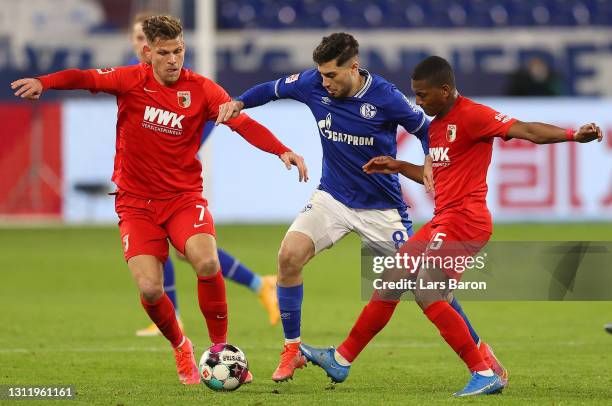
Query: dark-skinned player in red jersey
x,y
162,109
460,147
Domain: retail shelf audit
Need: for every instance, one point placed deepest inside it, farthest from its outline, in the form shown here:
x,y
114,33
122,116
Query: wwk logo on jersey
x,y
163,121
440,156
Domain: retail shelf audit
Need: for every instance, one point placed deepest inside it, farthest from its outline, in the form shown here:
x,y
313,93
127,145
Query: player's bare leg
x,y
296,250
148,275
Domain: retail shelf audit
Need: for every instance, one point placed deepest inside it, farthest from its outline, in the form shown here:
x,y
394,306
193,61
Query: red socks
x,y
163,315
373,318
454,330
211,297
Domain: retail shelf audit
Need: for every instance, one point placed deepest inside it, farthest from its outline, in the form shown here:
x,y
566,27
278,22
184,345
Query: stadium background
x,y
57,237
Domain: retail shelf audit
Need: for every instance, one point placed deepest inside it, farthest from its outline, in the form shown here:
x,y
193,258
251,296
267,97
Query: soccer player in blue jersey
x,y
231,268
357,114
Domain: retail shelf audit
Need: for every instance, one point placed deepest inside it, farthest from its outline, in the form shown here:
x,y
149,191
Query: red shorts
x,y
450,237
147,224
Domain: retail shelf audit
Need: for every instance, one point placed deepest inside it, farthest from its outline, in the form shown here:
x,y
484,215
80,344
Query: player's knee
x,y
425,297
151,292
290,260
206,266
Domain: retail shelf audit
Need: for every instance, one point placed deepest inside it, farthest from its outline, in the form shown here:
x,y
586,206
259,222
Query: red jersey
x,y
159,127
461,144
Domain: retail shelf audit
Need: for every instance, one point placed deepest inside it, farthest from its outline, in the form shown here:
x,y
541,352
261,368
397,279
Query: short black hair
x,y
339,45
435,70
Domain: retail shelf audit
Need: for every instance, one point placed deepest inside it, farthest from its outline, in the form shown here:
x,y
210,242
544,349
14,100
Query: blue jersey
x,y
352,131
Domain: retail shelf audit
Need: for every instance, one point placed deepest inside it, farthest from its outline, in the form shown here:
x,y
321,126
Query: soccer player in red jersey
x,y
460,146
162,108
264,286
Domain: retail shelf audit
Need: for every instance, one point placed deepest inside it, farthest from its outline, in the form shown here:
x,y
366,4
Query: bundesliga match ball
x,y
223,367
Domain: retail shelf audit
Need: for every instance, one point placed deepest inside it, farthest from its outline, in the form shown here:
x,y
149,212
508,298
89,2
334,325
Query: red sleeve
x,y
255,133
109,80
259,136
215,96
484,122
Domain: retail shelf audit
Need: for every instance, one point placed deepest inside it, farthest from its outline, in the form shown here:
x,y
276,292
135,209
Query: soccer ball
x,y
223,367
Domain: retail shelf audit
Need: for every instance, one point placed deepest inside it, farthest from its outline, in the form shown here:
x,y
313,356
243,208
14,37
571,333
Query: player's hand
x,y
291,158
382,164
229,110
588,133
28,88
428,174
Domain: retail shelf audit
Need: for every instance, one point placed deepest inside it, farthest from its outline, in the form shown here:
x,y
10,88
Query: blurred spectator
x,y
536,78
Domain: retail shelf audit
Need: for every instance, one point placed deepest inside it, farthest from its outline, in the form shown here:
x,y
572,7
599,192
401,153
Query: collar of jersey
x,y
366,85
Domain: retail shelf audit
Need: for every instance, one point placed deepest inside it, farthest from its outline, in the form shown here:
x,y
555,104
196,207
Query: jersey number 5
x,y
436,242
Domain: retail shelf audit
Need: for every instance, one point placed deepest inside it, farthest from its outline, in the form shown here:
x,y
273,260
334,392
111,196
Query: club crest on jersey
x,y
367,111
184,98
451,133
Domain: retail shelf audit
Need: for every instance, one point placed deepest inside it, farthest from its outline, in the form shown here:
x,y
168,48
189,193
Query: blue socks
x,y
290,304
169,286
233,270
455,305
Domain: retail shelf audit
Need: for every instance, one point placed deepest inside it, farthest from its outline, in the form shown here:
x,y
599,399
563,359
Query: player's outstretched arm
x,y
428,179
32,88
388,165
28,88
256,96
229,110
541,133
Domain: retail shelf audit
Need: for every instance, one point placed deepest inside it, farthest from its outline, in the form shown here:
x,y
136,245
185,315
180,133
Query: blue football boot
x,y
324,358
481,385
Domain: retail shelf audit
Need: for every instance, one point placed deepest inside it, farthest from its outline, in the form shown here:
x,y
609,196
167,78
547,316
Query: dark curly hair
x,y
340,46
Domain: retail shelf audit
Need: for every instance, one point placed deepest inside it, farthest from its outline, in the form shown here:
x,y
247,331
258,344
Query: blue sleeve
x,y
258,95
297,86
423,135
412,119
290,87
208,128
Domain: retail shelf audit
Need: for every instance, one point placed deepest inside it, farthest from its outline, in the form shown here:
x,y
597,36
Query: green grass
x,y
69,311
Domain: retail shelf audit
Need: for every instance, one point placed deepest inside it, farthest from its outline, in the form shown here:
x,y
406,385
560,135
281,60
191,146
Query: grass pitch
x,y
69,312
